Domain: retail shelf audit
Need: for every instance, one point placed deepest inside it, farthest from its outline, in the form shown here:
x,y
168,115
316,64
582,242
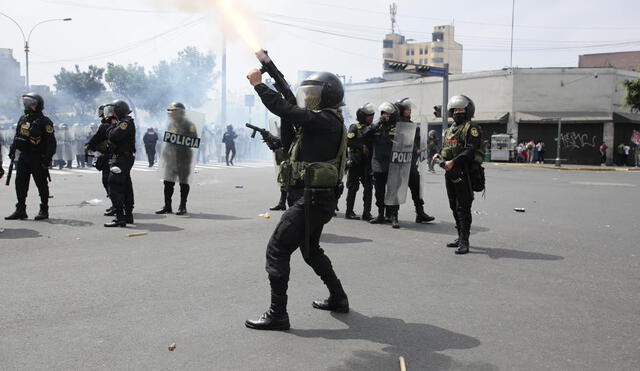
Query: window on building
x,y
421,51
387,44
437,49
408,52
437,60
438,36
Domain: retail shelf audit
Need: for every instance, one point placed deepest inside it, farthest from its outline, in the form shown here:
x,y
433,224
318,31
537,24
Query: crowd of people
x,y
530,152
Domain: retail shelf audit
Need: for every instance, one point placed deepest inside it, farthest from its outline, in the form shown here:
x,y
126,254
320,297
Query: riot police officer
x,y
404,107
359,164
177,161
382,134
33,148
99,142
122,142
313,133
150,139
460,152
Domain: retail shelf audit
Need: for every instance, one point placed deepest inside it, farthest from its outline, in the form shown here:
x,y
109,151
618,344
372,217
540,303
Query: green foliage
x,y
83,87
131,82
633,94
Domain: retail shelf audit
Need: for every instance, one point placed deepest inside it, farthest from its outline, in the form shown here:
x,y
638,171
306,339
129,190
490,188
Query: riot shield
x,y
426,149
400,164
59,135
67,140
179,148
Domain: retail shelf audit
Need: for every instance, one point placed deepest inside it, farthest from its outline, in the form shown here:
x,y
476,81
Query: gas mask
x,y
29,104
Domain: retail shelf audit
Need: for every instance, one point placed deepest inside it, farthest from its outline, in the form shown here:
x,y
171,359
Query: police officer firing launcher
x,y
313,133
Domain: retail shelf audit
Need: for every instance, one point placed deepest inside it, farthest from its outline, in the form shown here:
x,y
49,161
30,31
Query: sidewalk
x,y
568,167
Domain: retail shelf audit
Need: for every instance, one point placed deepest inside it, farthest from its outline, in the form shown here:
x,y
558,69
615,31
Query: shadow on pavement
x,y
204,216
334,238
148,216
438,226
70,222
19,233
155,227
418,343
497,253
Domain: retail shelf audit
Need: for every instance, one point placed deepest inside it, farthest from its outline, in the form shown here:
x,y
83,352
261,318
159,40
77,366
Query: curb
x,y
569,168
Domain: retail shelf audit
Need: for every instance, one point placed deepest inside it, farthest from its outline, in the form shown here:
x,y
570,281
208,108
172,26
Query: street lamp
x,y
28,37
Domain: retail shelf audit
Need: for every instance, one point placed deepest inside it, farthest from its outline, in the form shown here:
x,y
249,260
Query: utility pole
x,y
393,10
223,93
513,12
558,162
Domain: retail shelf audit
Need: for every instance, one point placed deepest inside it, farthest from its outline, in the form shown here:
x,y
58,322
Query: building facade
x,y
622,60
441,49
527,104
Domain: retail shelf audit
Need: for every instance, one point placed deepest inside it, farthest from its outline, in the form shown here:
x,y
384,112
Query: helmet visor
x,y
109,111
29,102
368,109
309,96
387,107
458,101
407,103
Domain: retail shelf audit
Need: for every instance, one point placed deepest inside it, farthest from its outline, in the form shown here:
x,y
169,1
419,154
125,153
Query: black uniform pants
x,y
460,200
230,149
414,186
31,165
290,235
380,183
120,186
151,154
359,174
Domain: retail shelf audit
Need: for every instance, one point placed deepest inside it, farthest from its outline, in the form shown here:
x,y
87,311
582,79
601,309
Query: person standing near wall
x,y
603,154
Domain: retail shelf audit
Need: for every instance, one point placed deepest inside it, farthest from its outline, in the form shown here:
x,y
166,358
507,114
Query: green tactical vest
x,y
455,138
313,174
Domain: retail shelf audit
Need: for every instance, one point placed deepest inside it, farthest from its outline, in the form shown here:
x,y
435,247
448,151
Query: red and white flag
x,y
635,137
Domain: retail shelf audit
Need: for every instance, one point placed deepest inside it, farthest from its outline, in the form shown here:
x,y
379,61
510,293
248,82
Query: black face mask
x,y
459,118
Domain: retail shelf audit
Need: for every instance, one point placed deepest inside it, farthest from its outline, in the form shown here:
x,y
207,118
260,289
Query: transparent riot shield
x,y
400,164
179,148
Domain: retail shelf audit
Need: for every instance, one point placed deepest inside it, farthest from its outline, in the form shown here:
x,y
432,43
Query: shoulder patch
x,y
123,125
49,128
351,135
474,132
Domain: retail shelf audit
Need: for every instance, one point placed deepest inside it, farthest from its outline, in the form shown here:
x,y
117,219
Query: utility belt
x,y
309,175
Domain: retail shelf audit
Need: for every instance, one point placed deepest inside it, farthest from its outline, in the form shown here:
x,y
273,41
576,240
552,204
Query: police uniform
x,y
177,161
150,139
122,138
99,142
34,146
317,140
461,144
359,169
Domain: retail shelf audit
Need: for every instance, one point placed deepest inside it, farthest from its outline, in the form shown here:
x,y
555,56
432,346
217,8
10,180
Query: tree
x,y
83,87
633,94
131,82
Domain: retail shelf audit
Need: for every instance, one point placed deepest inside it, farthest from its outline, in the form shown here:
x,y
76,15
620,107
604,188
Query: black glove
x,y
46,162
12,152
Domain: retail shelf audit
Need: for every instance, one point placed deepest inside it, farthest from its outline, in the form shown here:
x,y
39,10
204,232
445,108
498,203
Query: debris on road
x,y
265,215
519,209
239,187
403,366
137,234
172,347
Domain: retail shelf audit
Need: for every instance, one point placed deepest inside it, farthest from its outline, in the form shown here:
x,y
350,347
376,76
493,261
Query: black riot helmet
x,y
30,99
403,105
363,112
320,90
120,108
462,101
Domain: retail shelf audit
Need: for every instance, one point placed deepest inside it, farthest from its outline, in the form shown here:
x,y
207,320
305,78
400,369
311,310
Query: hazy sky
x,y
303,34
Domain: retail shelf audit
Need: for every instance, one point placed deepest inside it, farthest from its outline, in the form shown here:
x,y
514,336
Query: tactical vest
x,y
326,174
455,141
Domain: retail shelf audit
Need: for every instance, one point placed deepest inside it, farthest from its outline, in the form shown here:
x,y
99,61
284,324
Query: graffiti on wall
x,y
575,140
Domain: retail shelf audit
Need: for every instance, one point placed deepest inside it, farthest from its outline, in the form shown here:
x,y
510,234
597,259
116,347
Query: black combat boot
x,y
395,223
366,216
20,213
168,193
465,230
184,193
282,204
128,216
455,242
380,219
119,221
351,200
463,247
43,213
275,318
110,211
279,207
337,301
421,216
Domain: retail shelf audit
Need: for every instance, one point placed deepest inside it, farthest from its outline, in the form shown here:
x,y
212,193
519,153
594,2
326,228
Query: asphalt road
x,y
556,287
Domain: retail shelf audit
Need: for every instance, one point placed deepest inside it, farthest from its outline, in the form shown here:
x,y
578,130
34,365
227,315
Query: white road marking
x,y
603,184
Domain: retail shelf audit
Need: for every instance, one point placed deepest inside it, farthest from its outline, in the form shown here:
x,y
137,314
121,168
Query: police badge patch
x,y
123,125
351,135
49,129
474,132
